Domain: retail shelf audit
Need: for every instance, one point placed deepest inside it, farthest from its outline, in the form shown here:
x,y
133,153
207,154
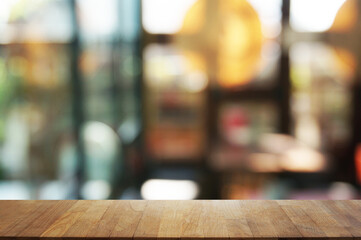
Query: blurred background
x,y
180,99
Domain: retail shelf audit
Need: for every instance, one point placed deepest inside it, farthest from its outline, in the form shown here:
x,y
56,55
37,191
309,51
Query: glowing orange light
x,y
358,163
346,17
346,61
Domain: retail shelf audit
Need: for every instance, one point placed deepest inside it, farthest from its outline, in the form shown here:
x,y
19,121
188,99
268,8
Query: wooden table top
x,y
211,219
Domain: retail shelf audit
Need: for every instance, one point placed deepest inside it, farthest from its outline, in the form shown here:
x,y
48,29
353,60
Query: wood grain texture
x,y
202,219
130,213
94,213
149,223
303,222
236,221
172,220
11,214
45,219
67,220
22,222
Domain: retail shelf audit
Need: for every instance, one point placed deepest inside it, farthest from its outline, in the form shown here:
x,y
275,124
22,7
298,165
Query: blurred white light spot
x,y
271,50
129,130
101,147
342,191
98,17
14,190
313,16
96,190
54,190
164,16
100,139
164,189
277,143
303,159
267,9
14,152
308,131
270,14
196,81
5,10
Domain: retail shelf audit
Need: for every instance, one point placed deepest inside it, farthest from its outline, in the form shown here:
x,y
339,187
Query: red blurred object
x,y
358,163
234,124
235,118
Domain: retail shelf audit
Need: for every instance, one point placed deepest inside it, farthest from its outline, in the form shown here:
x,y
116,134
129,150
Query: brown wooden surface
x,y
207,219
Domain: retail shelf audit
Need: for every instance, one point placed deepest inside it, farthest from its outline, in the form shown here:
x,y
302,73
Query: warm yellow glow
x,y
196,80
37,65
240,43
194,19
232,35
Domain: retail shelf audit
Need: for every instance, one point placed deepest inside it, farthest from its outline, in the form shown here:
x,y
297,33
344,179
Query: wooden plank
x,y
130,214
212,220
28,218
206,219
267,220
192,220
355,205
282,223
192,225
305,225
172,219
324,221
13,211
354,202
104,227
149,223
261,227
63,223
235,219
43,221
86,221
344,214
